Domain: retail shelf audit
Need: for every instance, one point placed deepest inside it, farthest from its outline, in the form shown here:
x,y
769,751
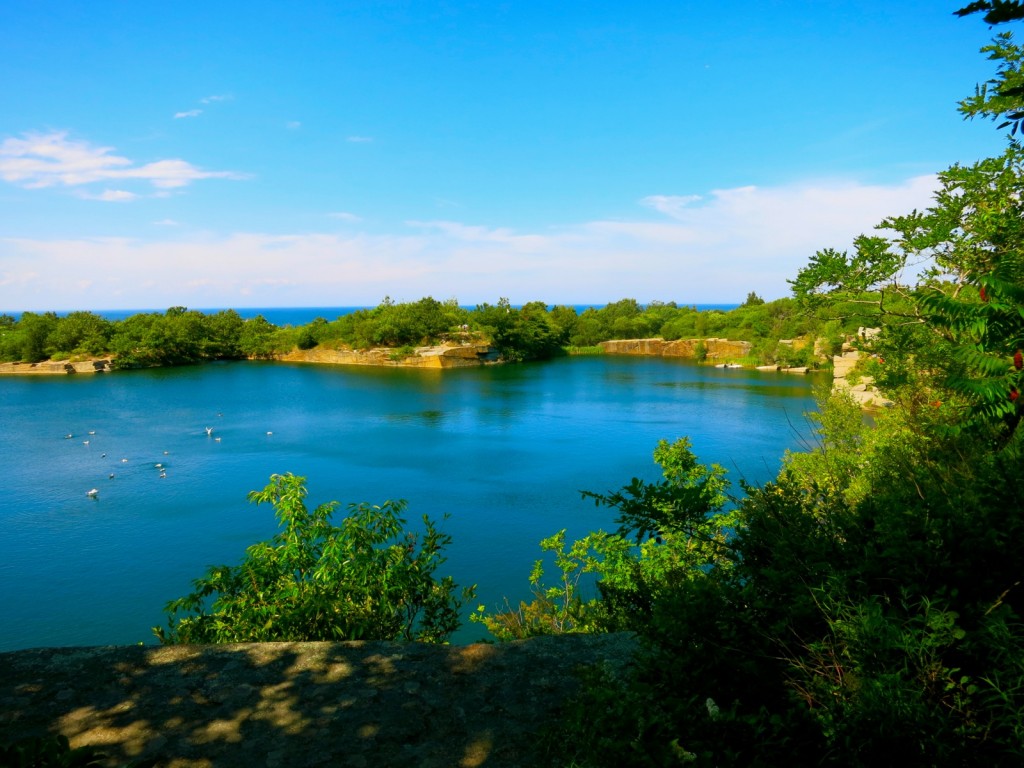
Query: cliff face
x,y
303,704
717,349
846,377
443,356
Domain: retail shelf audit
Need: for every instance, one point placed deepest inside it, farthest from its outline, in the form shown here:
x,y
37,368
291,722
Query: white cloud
x,y
111,196
670,205
52,159
166,223
717,249
293,125
189,113
214,99
359,139
344,216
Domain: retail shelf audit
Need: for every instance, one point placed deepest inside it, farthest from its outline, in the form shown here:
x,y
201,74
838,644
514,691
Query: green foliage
x,y
700,351
531,332
752,300
561,607
366,579
866,607
957,330
520,334
671,531
682,502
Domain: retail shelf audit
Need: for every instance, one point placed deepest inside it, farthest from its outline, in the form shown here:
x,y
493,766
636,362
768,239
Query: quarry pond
x,y
503,450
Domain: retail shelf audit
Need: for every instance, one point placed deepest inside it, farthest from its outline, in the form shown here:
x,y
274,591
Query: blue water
x,y
504,450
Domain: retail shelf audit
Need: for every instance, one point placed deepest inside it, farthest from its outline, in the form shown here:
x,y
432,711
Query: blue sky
x,y
332,153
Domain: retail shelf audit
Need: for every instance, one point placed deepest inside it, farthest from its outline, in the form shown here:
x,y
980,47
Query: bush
x,y
367,579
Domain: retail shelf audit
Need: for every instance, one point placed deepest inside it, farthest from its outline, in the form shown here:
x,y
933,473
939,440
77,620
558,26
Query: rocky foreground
x,y
304,704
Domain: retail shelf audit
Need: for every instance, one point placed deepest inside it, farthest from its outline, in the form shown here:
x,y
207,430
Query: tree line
x,y
533,331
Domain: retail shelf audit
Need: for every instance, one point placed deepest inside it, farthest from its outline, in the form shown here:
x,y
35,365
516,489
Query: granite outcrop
x,y
717,349
305,704
440,356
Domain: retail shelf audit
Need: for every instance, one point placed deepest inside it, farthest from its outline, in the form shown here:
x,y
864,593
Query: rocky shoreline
x,y
58,367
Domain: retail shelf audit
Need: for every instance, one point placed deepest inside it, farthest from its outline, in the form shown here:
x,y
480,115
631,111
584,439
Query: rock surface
x,y
304,704
717,349
847,377
50,367
442,356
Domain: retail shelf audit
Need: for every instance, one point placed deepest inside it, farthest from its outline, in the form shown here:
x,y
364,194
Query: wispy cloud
x,y
166,223
189,113
344,216
718,248
53,160
670,205
293,125
359,139
111,196
214,99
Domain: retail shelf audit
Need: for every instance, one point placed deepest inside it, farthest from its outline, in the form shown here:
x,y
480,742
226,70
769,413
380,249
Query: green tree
x,y
752,300
366,579
79,333
33,333
868,607
256,337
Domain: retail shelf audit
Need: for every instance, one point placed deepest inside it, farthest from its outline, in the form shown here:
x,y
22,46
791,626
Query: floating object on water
x,y
111,475
103,455
158,465
217,439
68,436
209,431
270,433
93,492
124,461
163,474
92,431
85,442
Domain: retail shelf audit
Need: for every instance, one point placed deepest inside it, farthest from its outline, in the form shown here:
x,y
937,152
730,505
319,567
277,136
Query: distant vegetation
x,y
534,331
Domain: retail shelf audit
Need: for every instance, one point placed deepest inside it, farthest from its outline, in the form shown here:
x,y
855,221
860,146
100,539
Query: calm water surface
x,y
503,450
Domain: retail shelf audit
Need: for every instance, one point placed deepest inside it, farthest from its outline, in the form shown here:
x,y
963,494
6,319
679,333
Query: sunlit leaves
x,y
367,578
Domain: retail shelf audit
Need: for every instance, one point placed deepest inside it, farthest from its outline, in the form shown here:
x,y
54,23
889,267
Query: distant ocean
x,y
282,316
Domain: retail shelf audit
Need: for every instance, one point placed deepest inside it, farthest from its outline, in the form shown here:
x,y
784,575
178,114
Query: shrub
x,y
366,579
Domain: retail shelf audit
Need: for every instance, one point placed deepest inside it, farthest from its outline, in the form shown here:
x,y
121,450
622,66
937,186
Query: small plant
x,y
366,579
400,353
